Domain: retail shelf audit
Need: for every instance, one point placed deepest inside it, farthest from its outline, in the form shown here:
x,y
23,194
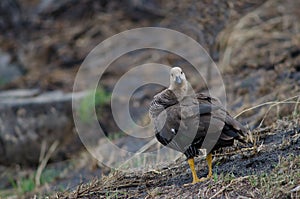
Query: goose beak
x,y
178,80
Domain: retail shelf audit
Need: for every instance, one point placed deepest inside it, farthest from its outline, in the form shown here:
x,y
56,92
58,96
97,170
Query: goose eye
x,y
181,72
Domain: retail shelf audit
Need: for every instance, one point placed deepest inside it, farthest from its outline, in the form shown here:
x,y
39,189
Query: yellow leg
x,y
209,163
192,166
194,174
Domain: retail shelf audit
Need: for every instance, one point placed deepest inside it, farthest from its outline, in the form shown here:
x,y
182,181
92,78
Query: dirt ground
x,y
269,169
256,45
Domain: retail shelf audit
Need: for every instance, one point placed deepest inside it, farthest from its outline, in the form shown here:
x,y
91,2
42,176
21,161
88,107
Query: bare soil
x,y
257,46
247,172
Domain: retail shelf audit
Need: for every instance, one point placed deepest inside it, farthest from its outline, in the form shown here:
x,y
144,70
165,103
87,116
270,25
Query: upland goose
x,y
183,119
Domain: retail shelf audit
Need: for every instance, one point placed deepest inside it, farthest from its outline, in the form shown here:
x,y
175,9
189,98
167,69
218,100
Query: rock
x,y
8,70
27,119
10,14
138,10
51,6
20,93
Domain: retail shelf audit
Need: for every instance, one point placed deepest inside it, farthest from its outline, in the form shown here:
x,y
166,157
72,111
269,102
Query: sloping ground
x,y
260,68
269,169
261,61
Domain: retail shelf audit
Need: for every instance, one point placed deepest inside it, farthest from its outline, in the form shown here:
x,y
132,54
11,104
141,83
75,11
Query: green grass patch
x,y
2,82
87,107
48,176
281,180
274,184
115,136
27,184
227,177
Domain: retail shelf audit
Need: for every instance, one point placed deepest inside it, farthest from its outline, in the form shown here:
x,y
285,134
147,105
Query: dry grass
x,y
276,184
44,158
167,182
268,26
263,38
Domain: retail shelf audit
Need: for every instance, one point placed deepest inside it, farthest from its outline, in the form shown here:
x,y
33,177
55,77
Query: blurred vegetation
x,y
256,44
2,82
26,184
87,107
281,180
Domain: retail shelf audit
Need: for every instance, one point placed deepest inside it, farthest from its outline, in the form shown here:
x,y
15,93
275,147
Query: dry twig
x,y
44,162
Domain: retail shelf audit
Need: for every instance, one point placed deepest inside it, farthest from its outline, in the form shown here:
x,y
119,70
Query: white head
x,y
178,81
